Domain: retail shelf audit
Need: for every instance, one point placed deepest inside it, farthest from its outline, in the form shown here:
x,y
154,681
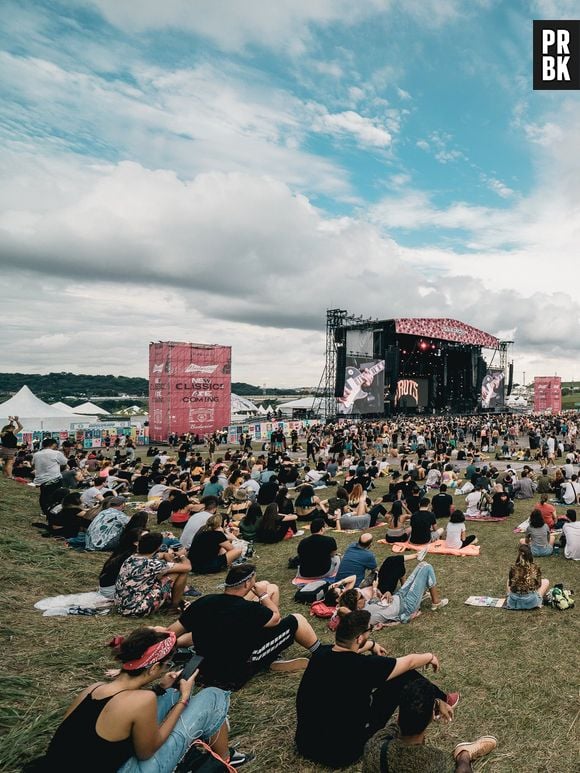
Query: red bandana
x,y
152,654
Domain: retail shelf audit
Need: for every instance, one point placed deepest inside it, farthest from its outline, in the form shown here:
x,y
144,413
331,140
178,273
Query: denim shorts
x,y
547,550
530,600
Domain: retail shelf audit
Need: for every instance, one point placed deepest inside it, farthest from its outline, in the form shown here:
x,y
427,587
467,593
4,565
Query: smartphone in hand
x,y
188,669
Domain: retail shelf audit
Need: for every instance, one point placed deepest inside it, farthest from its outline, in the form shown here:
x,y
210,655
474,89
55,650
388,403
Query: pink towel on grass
x,y
438,546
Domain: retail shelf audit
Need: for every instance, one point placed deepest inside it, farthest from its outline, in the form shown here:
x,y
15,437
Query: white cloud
x,y
497,186
366,131
200,119
283,25
238,258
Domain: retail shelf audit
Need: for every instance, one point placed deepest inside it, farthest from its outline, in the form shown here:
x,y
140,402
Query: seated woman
x,y
307,505
239,505
273,525
433,479
449,478
403,605
525,587
548,511
398,529
456,533
149,580
122,726
357,501
538,536
212,549
67,520
249,523
112,566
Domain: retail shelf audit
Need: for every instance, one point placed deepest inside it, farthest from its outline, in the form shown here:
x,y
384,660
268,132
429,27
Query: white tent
x,y
262,411
66,409
90,408
242,406
35,414
303,404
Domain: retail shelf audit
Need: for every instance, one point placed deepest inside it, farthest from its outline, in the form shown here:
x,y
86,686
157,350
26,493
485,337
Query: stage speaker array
x,y
510,379
340,341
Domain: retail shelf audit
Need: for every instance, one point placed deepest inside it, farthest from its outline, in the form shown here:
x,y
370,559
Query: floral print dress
x,y
140,590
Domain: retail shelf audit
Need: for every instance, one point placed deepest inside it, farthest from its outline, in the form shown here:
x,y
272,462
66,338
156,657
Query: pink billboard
x,y
189,388
547,394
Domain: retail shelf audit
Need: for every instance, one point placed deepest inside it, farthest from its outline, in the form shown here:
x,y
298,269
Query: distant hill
x,y
58,386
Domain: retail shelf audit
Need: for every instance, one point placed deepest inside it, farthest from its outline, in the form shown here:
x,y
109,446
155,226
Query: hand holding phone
x,y
189,669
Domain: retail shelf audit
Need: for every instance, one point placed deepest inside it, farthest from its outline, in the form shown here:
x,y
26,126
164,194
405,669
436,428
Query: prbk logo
x,y
557,55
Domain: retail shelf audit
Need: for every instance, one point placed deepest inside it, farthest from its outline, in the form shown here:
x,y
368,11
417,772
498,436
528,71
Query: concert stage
x,y
378,367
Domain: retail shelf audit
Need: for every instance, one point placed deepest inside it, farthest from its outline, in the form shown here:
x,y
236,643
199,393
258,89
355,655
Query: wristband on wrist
x,y
183,702
263,596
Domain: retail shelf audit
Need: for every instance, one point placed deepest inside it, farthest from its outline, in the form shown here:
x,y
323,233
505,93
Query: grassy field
x,y
517,672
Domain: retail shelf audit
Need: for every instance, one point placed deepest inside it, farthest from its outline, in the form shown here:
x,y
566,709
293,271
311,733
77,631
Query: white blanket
x,y
62,605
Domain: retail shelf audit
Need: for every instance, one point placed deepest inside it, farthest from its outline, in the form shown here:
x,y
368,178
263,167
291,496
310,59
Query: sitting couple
x,y
386,605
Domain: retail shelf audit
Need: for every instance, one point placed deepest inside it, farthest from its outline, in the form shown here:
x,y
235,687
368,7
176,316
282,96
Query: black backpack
x,y
312,591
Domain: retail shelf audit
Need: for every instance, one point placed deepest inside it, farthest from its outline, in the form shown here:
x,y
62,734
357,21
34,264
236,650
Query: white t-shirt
x,y
158,490
47,464
570,491
194,524
472,501
572,533
251,485
453,534
91,496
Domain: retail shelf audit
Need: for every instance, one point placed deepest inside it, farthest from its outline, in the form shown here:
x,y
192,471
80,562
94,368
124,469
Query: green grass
x,y
517,672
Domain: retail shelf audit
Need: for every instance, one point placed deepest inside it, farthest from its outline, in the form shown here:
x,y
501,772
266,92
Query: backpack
x,y
320,609
559,598
312,591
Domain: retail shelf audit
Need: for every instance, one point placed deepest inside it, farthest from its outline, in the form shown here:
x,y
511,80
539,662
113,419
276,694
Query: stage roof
x,y
446,330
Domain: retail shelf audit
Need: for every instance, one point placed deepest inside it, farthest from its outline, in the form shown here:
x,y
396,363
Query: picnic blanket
x,y
486,518
438,546
75,604
485,601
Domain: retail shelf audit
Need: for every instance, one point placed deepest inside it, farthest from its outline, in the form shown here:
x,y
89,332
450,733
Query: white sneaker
x,y
442,603
421,554
299,533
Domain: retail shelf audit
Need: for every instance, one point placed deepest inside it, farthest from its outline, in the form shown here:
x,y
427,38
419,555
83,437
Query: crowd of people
x,y
204,513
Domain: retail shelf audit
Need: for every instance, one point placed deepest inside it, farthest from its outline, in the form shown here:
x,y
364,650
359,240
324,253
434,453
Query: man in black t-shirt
x,y
441,503
238,636
317,554
423,525
338,685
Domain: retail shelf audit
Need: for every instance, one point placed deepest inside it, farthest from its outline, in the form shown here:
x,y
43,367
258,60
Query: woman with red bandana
x,y
120,726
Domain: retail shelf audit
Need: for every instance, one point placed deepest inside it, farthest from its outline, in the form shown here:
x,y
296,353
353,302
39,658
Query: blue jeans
x,y
203,717
421,578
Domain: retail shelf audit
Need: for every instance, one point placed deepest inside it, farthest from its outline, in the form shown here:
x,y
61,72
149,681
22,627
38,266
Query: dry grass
x,y
518,673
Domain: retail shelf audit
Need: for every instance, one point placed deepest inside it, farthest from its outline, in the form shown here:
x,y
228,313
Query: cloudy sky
x,y
223,171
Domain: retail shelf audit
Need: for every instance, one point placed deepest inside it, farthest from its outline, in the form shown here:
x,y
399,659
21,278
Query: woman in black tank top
x,y
110,723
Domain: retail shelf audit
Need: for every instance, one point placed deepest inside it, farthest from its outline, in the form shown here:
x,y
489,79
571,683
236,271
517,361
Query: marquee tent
x,y
35,414
68,409
241,406
90,408
302,404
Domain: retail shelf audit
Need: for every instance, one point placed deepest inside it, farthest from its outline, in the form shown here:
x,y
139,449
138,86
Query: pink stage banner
x,y
547,394
446,330
189,388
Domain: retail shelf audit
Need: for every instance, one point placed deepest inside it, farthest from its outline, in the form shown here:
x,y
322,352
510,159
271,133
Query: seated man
x,y
240,632
424,525
357,559
570,538
149,580
107,526
393,571
401,744
317,554
403,605
362,692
